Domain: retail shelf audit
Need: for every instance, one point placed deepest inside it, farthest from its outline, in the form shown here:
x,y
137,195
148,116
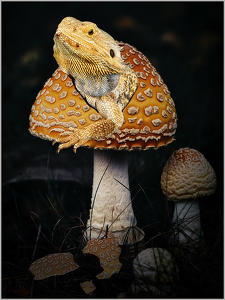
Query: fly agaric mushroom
x,y
150,122
52,265
187,176
108,253
155,272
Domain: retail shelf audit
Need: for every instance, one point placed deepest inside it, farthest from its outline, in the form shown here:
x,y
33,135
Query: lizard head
x,y
92,58
84,44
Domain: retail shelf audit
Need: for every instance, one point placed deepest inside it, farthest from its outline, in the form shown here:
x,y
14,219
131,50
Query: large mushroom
x,y
187,175
150,122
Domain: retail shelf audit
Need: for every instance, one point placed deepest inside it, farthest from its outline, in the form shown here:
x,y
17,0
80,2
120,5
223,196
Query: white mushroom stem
x,y
186,221
111,201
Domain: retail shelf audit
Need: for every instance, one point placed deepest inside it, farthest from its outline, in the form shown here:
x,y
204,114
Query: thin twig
x,y
36,243
40,231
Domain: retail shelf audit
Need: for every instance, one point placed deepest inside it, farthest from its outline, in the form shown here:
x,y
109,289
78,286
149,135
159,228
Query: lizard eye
x,y
90,32
112,54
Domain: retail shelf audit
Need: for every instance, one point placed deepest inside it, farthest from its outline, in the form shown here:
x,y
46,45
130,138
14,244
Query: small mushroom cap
x,y
52,265
150,117
187,174
108,253
88,286
154,265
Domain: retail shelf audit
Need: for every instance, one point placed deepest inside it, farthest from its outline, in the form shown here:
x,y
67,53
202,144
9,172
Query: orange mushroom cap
x,y
88,286
108,253
150,116
52,265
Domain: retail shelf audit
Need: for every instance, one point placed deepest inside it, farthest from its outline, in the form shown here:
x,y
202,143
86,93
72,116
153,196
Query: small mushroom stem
x,y
111,201
186,222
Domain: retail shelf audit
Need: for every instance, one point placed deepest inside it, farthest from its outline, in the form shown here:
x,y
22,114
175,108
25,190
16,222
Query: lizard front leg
x,y
113,115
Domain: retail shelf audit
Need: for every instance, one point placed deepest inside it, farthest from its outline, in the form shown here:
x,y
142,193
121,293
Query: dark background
x,y
183,40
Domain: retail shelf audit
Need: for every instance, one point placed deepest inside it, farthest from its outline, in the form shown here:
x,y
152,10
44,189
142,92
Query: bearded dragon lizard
x,y
92,59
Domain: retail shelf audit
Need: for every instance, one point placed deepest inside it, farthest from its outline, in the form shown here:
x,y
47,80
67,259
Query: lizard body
x,y
92,58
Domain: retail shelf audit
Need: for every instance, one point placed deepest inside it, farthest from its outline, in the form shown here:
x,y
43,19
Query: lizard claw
x,y
60,139
68,139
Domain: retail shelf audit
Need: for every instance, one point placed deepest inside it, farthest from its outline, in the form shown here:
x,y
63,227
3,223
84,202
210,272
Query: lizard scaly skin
x,y
92,58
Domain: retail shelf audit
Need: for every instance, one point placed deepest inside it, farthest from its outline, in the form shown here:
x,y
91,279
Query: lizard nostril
x,y
112,53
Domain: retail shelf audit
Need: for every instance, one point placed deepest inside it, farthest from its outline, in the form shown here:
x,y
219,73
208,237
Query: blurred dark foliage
x,y
183,40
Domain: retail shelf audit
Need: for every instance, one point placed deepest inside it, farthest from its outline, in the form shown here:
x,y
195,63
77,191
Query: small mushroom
x,y
108,253
52,265
155,272
187,176
150,122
